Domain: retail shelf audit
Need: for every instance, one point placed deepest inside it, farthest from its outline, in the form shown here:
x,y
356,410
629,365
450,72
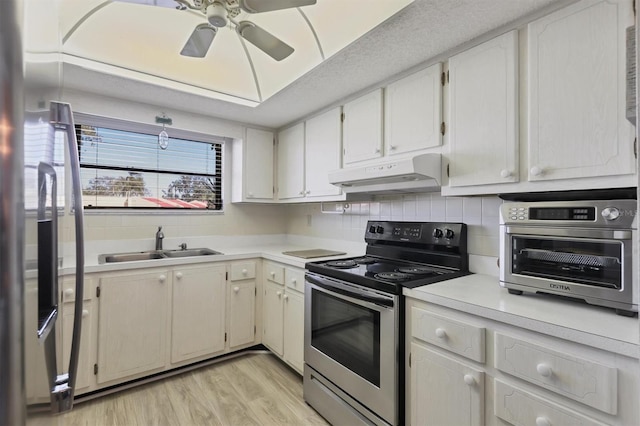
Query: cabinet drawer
x,y
294,279
518,407
590,383
274,272
243,270
456,336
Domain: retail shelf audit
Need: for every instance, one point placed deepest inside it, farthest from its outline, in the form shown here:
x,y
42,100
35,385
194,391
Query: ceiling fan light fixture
x,y
217,15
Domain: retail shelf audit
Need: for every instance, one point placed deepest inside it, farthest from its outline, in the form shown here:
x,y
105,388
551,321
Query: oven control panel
x,y
432,233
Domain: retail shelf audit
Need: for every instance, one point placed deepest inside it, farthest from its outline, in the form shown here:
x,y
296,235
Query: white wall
x,y
479,213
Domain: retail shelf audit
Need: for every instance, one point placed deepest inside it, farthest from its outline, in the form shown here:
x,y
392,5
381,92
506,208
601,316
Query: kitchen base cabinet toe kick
x,y
463,369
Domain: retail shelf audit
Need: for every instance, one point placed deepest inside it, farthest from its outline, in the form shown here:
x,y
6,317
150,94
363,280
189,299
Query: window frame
x,y
151,129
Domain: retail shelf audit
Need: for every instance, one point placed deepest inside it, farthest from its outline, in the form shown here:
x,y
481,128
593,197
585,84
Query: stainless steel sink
x,y
154,254
190,252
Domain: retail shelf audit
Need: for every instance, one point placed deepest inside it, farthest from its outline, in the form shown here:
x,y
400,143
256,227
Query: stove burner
x,y
342,264
365,260
393,276
418,270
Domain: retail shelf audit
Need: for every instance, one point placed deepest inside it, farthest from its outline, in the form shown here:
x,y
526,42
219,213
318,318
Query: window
x,y
133,169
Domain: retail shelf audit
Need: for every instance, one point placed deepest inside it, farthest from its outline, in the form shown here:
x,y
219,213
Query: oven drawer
x,y
274,272
590,383
243,270
459,337
294,279
518,407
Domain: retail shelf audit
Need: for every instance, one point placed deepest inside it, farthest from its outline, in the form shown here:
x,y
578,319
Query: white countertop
x,y
575,321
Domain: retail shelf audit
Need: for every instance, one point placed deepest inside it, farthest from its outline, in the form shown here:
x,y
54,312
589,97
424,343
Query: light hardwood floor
x,y
254,389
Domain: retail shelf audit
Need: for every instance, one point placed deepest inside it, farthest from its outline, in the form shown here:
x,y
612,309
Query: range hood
x,y
419,173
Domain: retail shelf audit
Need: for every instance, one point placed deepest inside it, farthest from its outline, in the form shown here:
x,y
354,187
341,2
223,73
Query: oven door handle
x,y
353,293
567,232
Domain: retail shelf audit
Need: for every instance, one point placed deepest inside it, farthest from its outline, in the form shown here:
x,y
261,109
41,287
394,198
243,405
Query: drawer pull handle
x,y
441,333
469,379
286,297
85,312
178,275
544,370
294,281
278,293
162,278
273,274
244,272
542,421
68,292
236,289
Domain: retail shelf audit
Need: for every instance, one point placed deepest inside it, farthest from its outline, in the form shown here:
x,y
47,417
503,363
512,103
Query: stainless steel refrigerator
x,y
40,198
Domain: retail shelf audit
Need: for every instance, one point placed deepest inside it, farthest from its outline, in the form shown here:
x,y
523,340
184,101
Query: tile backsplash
x,y
479,213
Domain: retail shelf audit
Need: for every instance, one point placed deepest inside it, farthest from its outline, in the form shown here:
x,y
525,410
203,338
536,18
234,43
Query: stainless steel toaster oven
x,y
580,249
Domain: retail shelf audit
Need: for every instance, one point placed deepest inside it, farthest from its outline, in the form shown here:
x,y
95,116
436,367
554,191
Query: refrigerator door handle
x,y
61,118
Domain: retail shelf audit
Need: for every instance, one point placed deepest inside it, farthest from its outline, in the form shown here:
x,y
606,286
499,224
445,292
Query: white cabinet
x,y
283,311
444,391
413,112
291,162
307,152
133,320
576,92
483,113
252,167
322,153
362,128
198,312
241,304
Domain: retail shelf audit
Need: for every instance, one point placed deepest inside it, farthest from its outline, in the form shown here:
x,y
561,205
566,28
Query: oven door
x,y
590,263
351,338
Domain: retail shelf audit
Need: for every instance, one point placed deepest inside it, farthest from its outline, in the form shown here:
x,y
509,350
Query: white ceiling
x,y
422,31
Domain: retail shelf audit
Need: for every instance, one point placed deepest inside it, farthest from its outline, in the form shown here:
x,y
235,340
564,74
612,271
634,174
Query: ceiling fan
x,y
220,13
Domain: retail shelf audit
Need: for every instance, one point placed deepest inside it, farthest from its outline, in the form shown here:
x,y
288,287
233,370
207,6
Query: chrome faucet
x,y
159,237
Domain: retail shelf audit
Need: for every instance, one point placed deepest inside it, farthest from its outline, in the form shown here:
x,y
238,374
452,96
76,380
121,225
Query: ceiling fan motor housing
x,y
217,15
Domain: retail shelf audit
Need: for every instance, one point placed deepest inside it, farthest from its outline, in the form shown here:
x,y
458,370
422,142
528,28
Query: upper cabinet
x,y
307,152
252,167
483,113
362,128
577,124
413,112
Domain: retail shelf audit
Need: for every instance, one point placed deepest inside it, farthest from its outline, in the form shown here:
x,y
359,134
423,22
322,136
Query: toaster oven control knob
x,y
437,233
449,234
610,213
379,230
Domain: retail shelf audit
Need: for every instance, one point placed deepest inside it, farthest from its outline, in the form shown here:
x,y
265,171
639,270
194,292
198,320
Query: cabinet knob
x,y
505,173
236,289
162,278
85,313
178,275
272,273
286,297
68,292
244,272
469,379
536,171
294,281
307,192
377,150
544,370
441,333
542,421
301,193
250,195
392,147
278,293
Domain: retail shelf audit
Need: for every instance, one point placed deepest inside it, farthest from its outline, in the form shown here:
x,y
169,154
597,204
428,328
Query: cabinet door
x,y
362,128
444,391
413,112
294,329
198,312
85,368
322,153
272,319
291,162
241,313
483,113
577,125
258,165
132,324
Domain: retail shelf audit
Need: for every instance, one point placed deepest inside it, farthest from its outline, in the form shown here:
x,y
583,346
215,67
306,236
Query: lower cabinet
x,y
241,304
283,313
519,377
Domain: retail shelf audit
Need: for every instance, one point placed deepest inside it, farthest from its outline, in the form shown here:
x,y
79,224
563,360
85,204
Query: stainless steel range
x,y
354,318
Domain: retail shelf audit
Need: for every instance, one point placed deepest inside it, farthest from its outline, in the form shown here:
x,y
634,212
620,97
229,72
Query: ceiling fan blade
x,y
172,4
198,44
264,40
258,6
